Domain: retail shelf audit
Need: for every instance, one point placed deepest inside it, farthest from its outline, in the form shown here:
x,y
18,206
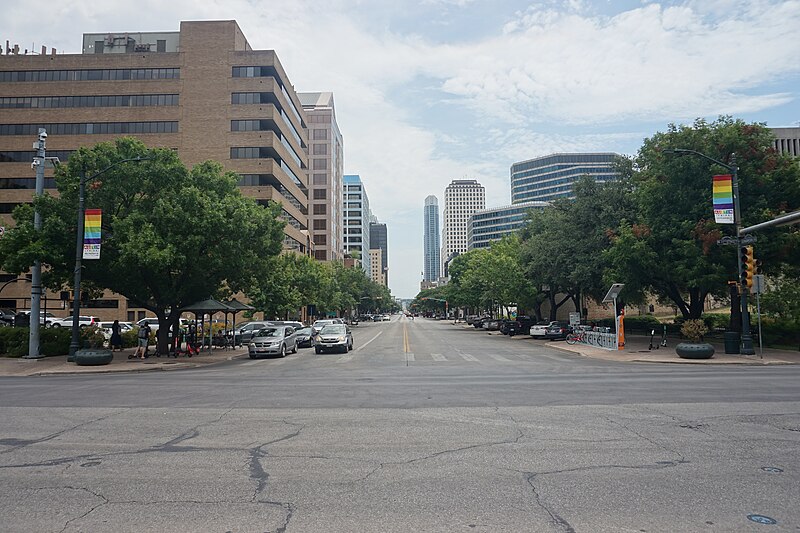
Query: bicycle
x,y
573,338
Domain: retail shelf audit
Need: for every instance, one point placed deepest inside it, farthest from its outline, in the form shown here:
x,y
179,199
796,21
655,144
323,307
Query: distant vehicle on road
x,y
558,330
245,333
321,323
270,340
306,337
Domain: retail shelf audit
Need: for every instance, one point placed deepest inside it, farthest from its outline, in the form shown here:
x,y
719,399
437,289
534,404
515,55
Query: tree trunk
x,y
162,335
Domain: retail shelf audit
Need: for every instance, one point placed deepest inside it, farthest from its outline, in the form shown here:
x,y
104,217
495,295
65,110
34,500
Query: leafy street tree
x,y
171,236
670,247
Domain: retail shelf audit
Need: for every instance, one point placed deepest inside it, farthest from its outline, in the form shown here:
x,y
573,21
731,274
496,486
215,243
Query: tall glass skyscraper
x,y
431,271
550,177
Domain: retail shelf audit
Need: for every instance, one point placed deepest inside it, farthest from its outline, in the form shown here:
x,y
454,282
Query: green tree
x,y
670,246
171,236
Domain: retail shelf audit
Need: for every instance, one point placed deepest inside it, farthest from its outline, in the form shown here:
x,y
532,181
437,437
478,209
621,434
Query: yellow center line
x,y
406,345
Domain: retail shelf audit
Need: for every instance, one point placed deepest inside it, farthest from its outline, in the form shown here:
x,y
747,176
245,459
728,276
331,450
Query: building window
x,y
320,194
320,209
321,255
320,179
320,164
320,135
52,102
89,74
320,224
320,149
321,239
99,128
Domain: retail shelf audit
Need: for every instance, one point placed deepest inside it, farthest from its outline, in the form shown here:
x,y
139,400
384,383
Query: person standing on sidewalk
x,y
116,336
144,338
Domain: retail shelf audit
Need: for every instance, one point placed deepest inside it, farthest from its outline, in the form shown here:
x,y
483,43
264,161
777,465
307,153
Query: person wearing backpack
x,y
144,338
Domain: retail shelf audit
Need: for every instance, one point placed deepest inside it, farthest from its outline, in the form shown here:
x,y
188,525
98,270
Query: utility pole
x,y
36,274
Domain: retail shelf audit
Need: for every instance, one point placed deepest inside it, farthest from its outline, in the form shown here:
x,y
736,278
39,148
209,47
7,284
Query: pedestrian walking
x,y
144,339
116,336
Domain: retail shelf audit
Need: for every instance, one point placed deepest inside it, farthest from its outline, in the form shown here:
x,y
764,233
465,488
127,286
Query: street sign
x,y
574,319
759,284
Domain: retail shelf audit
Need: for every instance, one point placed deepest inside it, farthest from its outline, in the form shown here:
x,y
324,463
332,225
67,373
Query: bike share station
x,y
606,340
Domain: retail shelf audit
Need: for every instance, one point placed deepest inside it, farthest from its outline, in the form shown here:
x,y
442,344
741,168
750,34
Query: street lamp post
x,y
747,338
76,299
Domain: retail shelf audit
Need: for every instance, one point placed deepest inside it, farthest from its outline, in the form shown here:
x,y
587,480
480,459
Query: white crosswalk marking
x,y
498,358
468,357
438,357
410,357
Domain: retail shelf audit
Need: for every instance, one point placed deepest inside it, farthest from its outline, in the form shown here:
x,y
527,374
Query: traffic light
x,y
748,266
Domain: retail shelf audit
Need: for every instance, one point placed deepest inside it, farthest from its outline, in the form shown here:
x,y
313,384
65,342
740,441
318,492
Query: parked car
x,y
7,317
83,321
245,333
479,322
152,322
558,330
273,340
306,338
539,330
335,337
46,318
492,325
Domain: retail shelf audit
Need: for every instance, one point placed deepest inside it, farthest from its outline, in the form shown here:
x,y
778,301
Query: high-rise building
x,y
493,224
326,167
356,220
379,239
461,199
202,91
431,270
787,141
376,266
550,177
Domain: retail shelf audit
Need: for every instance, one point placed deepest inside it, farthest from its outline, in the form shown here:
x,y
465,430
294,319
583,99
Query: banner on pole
x,y
723,199
92,222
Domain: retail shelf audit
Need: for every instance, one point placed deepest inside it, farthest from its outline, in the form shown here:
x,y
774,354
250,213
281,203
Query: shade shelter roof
x,y
208,306
236,305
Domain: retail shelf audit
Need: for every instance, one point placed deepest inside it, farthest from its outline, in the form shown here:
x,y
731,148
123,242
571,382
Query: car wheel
x,y
56,325
283,350
294,350
349,347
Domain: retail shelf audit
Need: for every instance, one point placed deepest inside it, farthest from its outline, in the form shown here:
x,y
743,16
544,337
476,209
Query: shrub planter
x,y
93,357
695,350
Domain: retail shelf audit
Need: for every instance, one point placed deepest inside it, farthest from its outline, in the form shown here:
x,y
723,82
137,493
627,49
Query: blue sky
x,y
433,90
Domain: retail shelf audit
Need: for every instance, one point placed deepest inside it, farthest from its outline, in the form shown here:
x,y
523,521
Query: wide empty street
x,y
424,426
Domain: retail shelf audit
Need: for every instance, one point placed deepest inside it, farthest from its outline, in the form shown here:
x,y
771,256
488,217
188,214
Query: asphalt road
x,y
423,427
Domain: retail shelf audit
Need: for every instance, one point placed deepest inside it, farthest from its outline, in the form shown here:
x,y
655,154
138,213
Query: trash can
x,y
732,341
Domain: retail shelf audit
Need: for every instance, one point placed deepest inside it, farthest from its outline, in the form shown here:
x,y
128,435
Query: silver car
x,y
273,340
334,337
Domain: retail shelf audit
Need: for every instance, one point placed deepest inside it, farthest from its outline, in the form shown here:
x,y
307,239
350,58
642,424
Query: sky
x,y
427,91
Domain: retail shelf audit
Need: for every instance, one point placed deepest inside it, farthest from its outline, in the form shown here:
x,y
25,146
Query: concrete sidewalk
x,y
57,365
636,350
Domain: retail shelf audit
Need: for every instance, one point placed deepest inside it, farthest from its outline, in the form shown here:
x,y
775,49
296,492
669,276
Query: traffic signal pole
x,y
746,347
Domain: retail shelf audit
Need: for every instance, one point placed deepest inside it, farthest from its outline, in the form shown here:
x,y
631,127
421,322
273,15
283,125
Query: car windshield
x,y
270,332
304,331
333,329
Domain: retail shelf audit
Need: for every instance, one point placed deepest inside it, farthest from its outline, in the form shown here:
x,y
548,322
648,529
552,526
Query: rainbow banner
x,y
723,199
92,221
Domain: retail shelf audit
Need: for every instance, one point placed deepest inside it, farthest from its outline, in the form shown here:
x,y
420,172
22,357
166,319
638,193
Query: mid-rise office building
x,y
490,225
461,199
356,220
431,271
376,266
550,177
201,91
326,167
379,239
787,141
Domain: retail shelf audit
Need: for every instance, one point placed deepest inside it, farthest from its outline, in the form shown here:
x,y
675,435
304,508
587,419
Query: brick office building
x,y
202,91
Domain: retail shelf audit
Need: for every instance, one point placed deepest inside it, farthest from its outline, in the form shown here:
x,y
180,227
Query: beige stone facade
x,y
202,91
326,167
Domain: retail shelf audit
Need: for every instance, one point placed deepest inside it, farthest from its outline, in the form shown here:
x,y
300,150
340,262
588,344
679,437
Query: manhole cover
x,y
772,469
761,519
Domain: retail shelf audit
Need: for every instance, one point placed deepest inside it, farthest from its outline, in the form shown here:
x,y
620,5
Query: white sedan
x,y
539,330
83,321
